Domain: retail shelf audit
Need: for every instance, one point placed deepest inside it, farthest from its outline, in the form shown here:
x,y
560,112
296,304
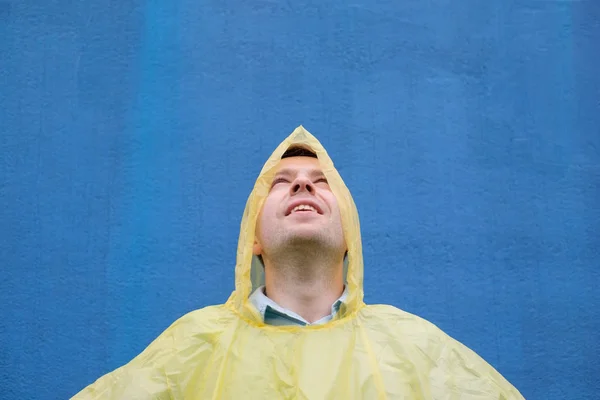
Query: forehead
x,y
294,165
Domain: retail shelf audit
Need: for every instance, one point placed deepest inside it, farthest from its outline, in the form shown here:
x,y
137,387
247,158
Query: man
x,y
306,332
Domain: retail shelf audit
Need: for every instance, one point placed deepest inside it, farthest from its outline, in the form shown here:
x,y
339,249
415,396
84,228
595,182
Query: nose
x,y
302,184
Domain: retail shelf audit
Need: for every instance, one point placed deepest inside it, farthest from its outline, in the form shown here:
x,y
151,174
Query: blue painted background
x,y
132,132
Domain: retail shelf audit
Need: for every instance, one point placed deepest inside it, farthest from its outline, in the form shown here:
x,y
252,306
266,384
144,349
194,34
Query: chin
x,y
305,236
305,230
308,239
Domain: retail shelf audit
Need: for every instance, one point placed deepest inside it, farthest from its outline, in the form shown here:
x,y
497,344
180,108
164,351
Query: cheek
x,y
268,211
333,204
337,212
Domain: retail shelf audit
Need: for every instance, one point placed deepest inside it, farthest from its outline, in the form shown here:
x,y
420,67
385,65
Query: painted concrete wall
x,y
132,132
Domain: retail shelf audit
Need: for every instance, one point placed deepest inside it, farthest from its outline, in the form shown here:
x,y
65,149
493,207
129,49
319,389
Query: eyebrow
x,y
311,172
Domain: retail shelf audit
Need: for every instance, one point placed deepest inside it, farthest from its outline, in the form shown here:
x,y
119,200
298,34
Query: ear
x,y
256,248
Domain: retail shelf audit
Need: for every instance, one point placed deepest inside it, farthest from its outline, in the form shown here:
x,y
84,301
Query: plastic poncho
x,y
366,352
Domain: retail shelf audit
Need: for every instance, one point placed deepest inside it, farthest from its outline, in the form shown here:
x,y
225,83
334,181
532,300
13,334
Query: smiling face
x,y
299,210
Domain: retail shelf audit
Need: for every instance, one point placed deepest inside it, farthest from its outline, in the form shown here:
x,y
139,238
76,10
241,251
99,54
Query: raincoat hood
x,y
249,273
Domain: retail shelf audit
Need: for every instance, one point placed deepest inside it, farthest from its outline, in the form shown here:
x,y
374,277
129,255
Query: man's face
x,y
299,210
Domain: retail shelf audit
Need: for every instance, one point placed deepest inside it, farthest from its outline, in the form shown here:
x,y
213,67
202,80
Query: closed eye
x,y
279,180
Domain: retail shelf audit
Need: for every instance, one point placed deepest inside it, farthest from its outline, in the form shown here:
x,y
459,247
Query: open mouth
x,y
304,208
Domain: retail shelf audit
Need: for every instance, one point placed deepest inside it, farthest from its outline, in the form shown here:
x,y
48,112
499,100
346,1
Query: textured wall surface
x,y
131,133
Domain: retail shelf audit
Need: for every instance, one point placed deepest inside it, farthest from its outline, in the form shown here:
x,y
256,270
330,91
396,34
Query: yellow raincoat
x,y
365,352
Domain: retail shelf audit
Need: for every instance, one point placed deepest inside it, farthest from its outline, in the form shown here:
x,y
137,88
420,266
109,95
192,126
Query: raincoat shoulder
x,y
159,371
444,365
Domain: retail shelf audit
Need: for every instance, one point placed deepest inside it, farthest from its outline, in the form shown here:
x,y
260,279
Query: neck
x,y
307,287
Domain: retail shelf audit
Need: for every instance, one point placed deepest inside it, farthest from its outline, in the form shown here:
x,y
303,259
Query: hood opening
x,y
249,271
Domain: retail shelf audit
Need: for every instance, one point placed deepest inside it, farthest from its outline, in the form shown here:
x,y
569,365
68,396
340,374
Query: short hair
x,y
297,151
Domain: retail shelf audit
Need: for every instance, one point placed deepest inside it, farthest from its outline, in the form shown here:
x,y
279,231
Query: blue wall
x,y
132,132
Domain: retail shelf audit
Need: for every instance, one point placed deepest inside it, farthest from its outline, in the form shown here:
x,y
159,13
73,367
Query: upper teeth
x,y
303,207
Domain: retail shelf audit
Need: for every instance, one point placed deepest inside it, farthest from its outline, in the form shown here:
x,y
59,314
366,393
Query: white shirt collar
x,y
264,304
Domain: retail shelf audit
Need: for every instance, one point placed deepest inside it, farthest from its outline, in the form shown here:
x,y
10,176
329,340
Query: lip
x,y
298,202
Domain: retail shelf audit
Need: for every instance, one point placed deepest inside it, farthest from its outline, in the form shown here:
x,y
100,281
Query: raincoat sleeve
x,y
144,377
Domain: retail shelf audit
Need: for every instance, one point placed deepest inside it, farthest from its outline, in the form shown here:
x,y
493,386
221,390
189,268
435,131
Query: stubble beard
x,y
304,255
